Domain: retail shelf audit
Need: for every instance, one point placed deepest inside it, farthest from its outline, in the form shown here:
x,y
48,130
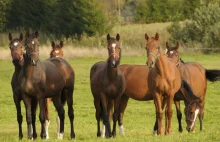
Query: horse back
x,y
65,68
194,75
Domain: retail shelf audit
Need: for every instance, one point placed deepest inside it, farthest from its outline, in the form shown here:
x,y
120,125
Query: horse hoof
x,y
72,136
21,136
60,136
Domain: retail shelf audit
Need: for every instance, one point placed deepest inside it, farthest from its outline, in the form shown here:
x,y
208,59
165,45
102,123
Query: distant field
x,y
139,116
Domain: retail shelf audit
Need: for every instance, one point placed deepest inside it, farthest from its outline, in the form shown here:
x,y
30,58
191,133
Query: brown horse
x,y
107,85
53,77
138,81
164,81
17,59
195,75
57,51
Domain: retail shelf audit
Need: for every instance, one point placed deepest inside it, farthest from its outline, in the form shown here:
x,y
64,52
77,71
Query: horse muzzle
x,y
150,64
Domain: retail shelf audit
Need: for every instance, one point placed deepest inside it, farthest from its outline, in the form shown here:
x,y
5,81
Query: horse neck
x,y
17,70
31,71
161,64
111,72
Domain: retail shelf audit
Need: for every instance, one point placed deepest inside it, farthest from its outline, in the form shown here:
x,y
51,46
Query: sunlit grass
x,y
139,116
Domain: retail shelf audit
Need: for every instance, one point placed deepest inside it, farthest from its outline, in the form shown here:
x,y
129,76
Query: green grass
x,y
139,116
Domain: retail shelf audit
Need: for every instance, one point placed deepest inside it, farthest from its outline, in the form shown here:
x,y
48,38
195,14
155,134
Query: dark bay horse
x,y
57,51
196,76
107,85
53,77
17,59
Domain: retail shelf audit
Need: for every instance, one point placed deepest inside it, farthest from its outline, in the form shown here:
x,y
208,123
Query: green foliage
x,y
150,11
69,18
203,28
3,9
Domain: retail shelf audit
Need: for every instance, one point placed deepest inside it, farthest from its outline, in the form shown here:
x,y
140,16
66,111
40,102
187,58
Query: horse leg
x,y
122,107
156,123
159,111
179,114
106,122
47,123
42,118
116,114
17,102
61,113
69,98
33,111
98,115
169,114
27,103
201,114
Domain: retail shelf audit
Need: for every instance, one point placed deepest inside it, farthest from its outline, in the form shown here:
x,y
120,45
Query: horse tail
x,y
189,90
212,75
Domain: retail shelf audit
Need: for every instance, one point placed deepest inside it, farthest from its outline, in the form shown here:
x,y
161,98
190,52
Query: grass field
x,y
139,116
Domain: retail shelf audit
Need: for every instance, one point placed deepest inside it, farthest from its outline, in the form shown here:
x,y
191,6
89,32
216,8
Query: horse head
x,y
32,47
16,49
172,53
114,50
57,50
191,111
153,49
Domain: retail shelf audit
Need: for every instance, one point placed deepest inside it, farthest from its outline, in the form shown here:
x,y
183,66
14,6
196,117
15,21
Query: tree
x,y
3,9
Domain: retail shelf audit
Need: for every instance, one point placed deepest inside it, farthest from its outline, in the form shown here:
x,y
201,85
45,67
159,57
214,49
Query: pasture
x,y
139,116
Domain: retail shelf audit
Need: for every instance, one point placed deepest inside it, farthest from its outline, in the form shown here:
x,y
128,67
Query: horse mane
x,y
189,90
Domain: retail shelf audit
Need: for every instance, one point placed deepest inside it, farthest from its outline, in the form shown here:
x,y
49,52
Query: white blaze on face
x,y
57,51
32,42
196,113
113,46
15,44
171,52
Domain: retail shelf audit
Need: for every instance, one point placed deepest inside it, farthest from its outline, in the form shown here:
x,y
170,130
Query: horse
x,y
57,51
53,77
196,76
18,61
164,81
137,87
107,84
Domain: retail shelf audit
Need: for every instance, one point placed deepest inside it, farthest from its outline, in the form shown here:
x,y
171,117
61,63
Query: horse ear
x,y
21,37
117,37
167,45
36,34
157,36
177,45
108,37
10,36
146,36
53,44
27,34
61,44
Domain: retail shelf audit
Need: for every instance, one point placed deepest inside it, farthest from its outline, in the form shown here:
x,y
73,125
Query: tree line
x,y
76,18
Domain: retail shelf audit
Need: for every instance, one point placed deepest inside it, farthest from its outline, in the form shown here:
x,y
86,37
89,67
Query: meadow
x,y
139,116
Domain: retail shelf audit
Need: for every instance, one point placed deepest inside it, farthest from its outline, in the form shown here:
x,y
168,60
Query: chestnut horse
x,y
196,76
53,77
17,59
137,78
107,85
57,51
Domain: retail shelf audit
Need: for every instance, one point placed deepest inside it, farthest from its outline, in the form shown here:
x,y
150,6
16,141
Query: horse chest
x,y
111,90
